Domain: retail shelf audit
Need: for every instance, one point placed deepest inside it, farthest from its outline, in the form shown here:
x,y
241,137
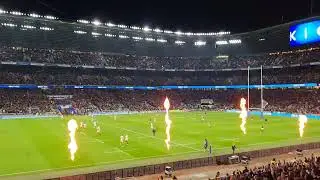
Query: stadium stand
x,y
298,169
87,101
98,59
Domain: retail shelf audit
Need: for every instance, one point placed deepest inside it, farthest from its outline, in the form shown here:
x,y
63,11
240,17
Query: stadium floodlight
x,y
110,24
83,21
147,29
149,39
222,57
110,35
179,42
135,27
221,42
46,28
3,11
122,26
96,34
157,30
80,32
8,24
17,13
178,33
168,31
34,15
28,27
235,41
50,17
189,34
123,36
96,22
262,39
200,43
162,40
137,38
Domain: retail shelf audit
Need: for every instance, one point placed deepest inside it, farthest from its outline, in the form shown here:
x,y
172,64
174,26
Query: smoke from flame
x,y
166,105
302,121
73,147
243,115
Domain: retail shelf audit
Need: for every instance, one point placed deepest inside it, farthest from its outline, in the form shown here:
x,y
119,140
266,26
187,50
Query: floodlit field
x,y
39,145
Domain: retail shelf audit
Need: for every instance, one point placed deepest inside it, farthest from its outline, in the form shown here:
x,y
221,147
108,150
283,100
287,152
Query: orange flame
x,y
73,147
243,115
302,121
166,105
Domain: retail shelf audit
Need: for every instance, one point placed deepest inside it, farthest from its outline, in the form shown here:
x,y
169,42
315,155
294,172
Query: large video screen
x,y
305,33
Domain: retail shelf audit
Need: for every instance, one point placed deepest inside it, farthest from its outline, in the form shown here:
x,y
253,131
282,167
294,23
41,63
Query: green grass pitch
x,y
39,145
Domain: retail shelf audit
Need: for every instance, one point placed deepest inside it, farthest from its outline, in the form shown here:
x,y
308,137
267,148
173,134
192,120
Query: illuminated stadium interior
x,y
90,99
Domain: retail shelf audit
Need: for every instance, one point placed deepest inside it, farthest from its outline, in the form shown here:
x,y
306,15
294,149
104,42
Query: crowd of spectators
x,y
66,77
51,56
306,169
36,101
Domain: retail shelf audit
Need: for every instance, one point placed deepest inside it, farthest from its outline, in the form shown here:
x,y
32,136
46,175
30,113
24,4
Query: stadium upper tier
x,y
33,31
12,74
133,62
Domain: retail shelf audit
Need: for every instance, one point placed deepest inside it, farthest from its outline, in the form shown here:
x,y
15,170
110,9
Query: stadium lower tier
x,y
84,101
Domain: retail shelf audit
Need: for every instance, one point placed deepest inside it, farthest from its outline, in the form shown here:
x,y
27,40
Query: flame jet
x,y
166,105
73,147
243,115
302,121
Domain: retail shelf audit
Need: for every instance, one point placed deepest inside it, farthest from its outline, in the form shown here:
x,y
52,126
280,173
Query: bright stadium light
x,y
137,38
189,34
80,32
157,30
178,33
221,42
149,39
28,27
179,42
147,29
96,34
235,41
110,35
110,24
3,11
50,17
135,27
46,28
122,26
162,40
96,22
123,36
200,43
34,15
168,31
9,24
17,13
83,21
262,39
222,57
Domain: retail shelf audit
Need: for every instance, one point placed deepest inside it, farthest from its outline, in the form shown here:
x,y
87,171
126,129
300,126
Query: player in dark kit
x,y
233,148
154,131
205,146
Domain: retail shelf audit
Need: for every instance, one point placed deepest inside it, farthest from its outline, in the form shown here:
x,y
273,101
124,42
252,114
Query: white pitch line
x,y
95,164
100,141
159,139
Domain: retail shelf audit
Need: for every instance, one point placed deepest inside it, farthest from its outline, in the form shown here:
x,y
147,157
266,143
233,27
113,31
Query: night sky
x,y
192,15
